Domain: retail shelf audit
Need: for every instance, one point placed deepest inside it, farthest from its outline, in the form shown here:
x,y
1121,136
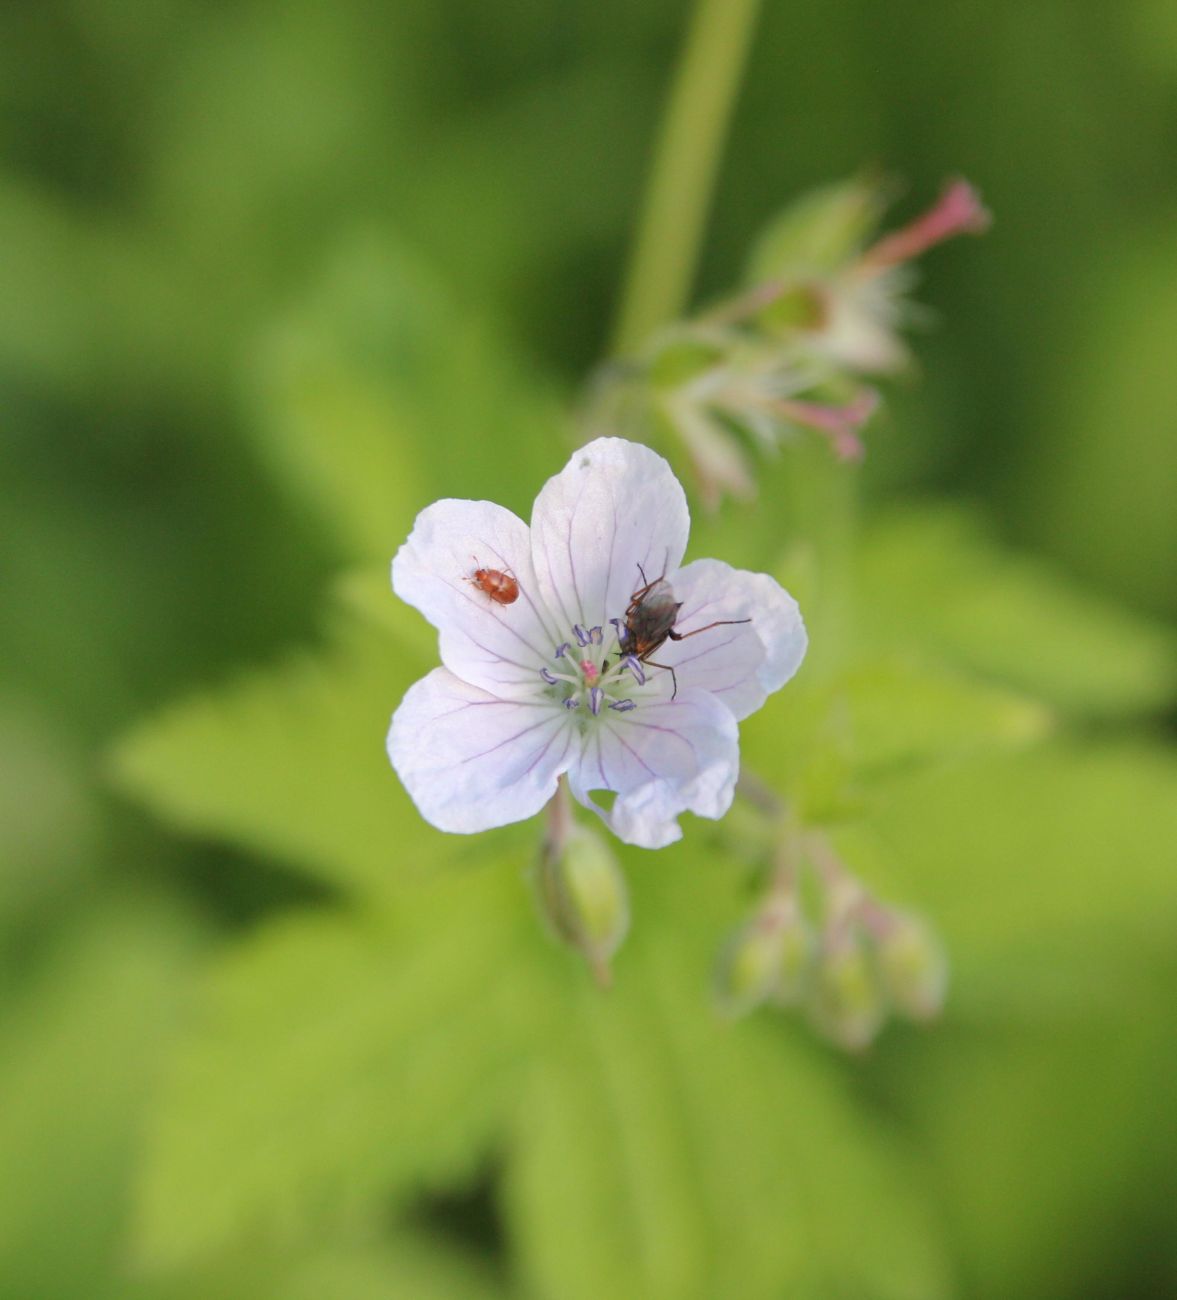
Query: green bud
x,y
848,1003
583,897
818,232
914,968
797,958
749,966
680,357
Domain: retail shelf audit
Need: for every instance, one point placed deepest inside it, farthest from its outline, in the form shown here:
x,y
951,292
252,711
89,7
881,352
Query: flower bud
x,y
914,968
748,967
848,1003
797,958
583,897
819,231
769,956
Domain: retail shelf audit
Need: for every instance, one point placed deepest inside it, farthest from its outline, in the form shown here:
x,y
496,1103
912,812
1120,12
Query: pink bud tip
x,y
839,423
958,211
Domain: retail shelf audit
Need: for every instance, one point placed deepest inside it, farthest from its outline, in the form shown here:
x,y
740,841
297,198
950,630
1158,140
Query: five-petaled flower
x,y
550,683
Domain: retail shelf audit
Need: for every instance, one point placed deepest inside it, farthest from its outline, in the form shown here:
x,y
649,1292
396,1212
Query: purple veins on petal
x,y
596,695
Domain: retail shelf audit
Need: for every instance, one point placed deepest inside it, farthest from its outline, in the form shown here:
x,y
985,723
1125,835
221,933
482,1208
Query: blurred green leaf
x,y
664,1152
903,710
403,1268
48,814
291,762
80,1045
1102,481
817,232
384,390
339,1063
1035,1134
91,307
1049,872
933,578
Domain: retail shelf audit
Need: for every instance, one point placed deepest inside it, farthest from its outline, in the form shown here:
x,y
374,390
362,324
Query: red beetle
x,y
499,586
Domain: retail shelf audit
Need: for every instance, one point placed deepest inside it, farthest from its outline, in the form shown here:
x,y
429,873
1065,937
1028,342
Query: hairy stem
x,y
560,821
690,144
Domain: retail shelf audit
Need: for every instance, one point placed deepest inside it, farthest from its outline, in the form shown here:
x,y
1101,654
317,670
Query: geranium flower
x,y
549,681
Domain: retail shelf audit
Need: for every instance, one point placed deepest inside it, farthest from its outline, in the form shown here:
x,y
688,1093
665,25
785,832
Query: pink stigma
x,y
958,211
590,670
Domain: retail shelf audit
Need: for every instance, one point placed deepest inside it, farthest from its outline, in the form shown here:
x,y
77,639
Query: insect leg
x,y
670,670
719,622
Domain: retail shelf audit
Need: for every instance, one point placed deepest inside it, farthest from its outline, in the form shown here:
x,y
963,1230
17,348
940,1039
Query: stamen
x,y
572,702
596,695
596,635
634,665
581,634
562,649
590,670
619,628
623,706
548,676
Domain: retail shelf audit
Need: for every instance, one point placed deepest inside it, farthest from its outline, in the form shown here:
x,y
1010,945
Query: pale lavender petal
x,y
616,505
662,759
740,664
498,647
470,760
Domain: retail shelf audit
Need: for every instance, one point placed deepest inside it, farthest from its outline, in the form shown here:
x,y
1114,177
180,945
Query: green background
x,y
274,276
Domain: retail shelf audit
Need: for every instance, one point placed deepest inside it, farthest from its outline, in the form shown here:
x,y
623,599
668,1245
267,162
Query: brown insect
x,y
499,586
649,623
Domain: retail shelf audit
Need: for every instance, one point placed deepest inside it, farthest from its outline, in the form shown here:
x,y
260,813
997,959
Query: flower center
x,y
594,672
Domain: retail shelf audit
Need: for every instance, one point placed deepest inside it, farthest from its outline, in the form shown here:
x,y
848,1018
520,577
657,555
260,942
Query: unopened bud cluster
x,y
841,957
822,313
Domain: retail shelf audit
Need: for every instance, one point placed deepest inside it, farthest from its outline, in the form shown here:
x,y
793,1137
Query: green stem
x,y
665,250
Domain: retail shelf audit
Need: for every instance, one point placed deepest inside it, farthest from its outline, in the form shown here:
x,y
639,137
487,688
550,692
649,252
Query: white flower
x,y
551,682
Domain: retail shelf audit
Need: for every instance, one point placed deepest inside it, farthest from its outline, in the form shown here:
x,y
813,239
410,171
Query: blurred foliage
x,y
276,275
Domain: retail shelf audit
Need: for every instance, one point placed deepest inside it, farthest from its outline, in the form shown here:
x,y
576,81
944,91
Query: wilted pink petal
x,y
958,211
839,423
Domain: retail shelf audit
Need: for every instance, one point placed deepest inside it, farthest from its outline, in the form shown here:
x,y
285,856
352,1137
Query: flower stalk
x,y
687,156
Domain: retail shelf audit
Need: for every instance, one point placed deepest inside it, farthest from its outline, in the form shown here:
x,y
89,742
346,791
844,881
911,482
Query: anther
x,y
581,634
562,649
572,702
596,695
632,663
619,628
623,706
548,676
596,635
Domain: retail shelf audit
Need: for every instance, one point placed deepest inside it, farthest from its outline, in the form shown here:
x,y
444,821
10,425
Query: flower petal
x,y
615,505
662,759
498,647
743,664
470,760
